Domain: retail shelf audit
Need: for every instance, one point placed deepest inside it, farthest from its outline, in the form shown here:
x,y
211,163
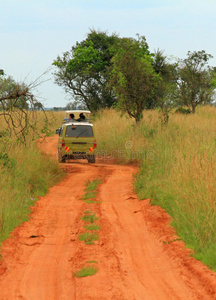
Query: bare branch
x,y
17,107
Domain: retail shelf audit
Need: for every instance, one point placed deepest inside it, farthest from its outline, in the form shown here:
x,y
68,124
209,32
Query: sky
x,y
34,32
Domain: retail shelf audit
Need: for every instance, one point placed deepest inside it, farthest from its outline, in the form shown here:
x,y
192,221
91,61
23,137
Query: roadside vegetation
x,y
25,173
177,168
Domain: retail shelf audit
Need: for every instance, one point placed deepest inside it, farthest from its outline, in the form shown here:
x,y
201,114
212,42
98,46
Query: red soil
x,y
136,255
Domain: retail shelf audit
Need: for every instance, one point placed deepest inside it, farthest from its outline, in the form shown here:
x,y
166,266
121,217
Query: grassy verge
x,y
178,168
25,174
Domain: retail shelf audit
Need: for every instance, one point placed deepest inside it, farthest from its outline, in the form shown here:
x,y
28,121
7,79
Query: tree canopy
x,y
165,91
196,80
133,77
83,71
106,70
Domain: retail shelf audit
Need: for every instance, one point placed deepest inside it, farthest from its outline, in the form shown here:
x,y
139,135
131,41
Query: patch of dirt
x,y
138,255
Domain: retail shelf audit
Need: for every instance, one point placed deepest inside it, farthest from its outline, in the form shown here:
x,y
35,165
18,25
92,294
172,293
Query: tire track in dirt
x,y
133,261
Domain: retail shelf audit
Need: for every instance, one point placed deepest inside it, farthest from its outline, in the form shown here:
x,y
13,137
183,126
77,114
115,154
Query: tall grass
x,y
25,174
118,137
178,169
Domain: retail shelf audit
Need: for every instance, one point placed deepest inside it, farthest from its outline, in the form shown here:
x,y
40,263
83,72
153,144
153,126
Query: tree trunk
x,y
193,108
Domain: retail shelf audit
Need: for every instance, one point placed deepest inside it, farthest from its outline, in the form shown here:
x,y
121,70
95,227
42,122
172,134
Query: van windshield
x,y
79,131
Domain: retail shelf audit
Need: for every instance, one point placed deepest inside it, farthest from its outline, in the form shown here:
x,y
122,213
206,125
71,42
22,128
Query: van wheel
x,y
91,159
61,158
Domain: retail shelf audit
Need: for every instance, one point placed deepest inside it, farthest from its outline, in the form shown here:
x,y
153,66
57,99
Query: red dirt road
x,y
136,255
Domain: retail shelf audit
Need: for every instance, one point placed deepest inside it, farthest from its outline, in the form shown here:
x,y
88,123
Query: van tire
x,y
91,159
61,158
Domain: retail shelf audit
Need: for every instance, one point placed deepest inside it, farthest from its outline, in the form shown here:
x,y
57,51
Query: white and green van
x,y
76,140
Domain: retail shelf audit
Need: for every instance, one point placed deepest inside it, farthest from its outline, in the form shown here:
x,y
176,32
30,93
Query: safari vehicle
x,y
76,139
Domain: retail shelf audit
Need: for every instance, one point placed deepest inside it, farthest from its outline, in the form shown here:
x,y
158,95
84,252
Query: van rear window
x,y
79,131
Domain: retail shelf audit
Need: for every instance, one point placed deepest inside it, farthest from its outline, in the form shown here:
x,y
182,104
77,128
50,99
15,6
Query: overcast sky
x,y
34,32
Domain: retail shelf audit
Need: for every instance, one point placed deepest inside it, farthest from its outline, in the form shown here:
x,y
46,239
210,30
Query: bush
x,y
182,110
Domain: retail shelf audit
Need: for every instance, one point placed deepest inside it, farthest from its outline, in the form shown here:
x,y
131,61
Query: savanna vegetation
x,y
152,120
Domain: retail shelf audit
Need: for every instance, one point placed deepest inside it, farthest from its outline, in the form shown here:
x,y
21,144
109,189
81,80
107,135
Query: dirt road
x,y
137,255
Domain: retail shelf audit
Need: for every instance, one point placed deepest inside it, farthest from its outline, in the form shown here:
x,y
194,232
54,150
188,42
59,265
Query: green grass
x,y
91,190
89,217
89,195
92,262
86,271
92,185
92,227
92,201
88,238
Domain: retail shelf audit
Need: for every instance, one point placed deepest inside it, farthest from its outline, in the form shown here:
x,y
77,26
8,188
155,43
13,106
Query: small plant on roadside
x,y
88,238
86,271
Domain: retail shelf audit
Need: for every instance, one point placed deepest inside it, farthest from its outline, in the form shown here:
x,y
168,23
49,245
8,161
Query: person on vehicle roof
x,y
71,116
82,118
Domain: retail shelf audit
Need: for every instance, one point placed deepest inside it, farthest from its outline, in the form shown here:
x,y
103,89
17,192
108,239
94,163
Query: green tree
x,y
13,95
83,71
38,105
196,80
165,90
133,77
